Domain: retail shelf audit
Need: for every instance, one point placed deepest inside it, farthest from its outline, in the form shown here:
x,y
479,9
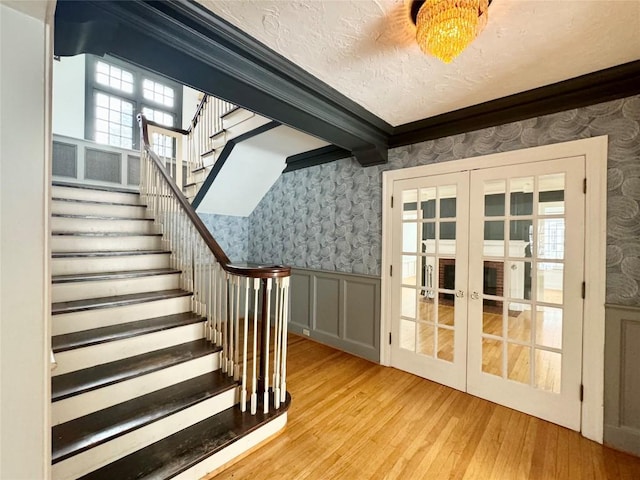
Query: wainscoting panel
x,y
622,378
338,309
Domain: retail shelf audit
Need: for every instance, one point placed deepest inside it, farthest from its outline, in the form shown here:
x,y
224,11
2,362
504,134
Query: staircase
x,y
139,389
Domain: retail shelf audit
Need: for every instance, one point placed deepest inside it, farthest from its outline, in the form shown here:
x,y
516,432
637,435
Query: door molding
x,y
594,150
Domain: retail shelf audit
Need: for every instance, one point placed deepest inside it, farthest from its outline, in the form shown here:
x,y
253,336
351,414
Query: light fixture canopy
x,y
444,28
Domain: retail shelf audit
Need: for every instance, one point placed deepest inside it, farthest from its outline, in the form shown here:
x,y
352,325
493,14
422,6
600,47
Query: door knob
x,y
460,294
475,295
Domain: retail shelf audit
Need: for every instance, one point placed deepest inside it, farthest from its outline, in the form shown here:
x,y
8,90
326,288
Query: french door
x,y
487,298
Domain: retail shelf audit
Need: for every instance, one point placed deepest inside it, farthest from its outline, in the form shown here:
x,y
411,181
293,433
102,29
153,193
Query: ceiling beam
x,y
184,41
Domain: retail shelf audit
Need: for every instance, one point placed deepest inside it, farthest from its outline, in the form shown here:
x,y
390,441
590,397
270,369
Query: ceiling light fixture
x,y
444,28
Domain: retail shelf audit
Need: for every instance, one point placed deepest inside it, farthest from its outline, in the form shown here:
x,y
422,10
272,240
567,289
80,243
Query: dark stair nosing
x,y
115,253
87,277
200,169
81,434
81,381
177,453
121,331
116,301
102,188
217,133
105,234
95,202
234,110
99,217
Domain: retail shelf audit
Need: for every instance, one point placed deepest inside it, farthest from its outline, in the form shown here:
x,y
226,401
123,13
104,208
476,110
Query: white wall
x,y
24,302
68,96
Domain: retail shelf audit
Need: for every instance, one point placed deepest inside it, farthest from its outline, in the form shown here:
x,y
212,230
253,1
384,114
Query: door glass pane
x,y
427,307
520,238
428,202
428,272
491,318
548,370
551,238
446,312
409,270
445,344
494,198
518,363
521,196
425,338
519,280
493,278
447,244
492,356
447,201
549,327
409,302
409,237
550,282
410,205
551,194
447,275
407,335
428,238
519,322
493,238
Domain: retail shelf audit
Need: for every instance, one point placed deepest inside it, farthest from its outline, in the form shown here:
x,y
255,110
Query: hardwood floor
x,y
352,419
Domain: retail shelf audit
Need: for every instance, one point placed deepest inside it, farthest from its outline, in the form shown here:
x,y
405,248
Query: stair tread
x,y
81,381
95,336
95,187
176,453
99,217
105,234
80,434
199,169
109,253
83,277
115,301
96,202
235,109
219,132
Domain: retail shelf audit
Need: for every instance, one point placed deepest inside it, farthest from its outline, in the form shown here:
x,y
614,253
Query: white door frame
x,y
595,152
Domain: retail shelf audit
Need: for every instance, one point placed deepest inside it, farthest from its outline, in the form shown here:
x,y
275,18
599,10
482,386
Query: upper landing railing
x,y
232,297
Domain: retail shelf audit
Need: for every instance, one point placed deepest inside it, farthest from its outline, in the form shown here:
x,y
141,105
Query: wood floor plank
x,y
354,420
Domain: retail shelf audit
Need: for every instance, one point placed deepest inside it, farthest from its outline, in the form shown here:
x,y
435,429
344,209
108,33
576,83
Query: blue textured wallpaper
x,y
329,217
232,233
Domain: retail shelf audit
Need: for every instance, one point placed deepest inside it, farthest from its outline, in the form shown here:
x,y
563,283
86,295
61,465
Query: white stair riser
x,y
218,141
201,175
75,265
93,195
93,225
98,209
108,452
235,450
94,400
191,190
237,116
69,291
86,357
102,317
99,243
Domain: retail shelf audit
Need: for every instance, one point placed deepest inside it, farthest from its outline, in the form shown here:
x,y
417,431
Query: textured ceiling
x,y
364,48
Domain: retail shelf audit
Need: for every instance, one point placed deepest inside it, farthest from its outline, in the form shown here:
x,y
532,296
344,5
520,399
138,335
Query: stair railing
x,y
232,297
206,122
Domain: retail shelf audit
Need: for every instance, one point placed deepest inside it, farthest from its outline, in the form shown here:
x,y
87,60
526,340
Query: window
x,y
116,92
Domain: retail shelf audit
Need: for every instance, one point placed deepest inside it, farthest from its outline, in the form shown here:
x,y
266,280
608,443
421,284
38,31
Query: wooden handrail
x,y
171,129
248,270
194,120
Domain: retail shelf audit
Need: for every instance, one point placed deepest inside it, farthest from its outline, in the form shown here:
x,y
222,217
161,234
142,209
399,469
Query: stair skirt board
x,y
80,358
78,265
94,195
89,224
241,446
94,400
98,456
63,207
86,289
102,317
88,242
